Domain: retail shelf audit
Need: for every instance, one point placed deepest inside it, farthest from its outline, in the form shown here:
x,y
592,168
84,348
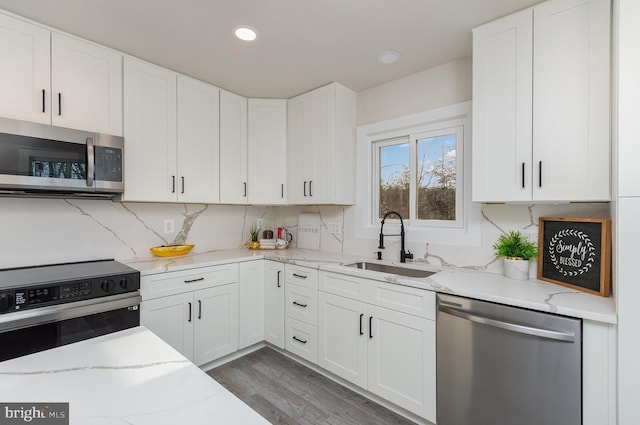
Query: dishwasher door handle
x,y
543,333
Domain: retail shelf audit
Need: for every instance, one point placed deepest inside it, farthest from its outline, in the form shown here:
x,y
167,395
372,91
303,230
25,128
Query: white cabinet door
x,y
322,146
252,303
571,146
150,132
267,151
171,318
233,148
274,303
198,141
215,316
502,109
25,72
86,85
402,360
343,335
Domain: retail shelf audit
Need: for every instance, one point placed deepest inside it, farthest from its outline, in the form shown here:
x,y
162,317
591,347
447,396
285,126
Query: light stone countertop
x,y
532,294
128,377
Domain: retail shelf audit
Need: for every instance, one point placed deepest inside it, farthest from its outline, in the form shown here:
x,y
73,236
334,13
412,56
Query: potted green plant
x,y
516,250
255,234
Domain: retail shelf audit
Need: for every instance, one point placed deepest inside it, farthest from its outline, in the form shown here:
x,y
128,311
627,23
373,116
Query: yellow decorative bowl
x,y
171,250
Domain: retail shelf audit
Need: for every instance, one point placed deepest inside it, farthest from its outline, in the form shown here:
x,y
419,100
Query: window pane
x,y
436,178
394,179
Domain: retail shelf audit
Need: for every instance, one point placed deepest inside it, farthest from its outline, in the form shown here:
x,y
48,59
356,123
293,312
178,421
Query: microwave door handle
x,y
90,162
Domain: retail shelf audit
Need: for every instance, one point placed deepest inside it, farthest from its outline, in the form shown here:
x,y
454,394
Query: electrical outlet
x,y
334,228
169,225
259,223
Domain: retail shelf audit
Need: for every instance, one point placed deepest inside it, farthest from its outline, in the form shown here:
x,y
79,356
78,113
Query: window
x,y
416,166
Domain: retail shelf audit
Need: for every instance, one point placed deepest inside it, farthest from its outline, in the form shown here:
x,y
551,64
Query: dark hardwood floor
x,y
286,392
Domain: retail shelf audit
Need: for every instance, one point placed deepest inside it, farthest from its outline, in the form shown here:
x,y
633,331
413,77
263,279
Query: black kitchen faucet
x,y
403,254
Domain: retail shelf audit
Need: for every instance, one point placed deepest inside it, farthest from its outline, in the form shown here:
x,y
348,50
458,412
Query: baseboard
x,y
233,356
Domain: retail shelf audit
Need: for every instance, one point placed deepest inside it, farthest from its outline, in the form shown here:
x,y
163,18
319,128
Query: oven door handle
x,y
56,313
91,168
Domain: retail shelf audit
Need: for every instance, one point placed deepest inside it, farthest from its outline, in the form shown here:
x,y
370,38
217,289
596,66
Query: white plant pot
x,y
516,268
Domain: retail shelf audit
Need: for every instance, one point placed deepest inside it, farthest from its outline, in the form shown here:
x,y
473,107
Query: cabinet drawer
x,y
344,285
303,276
418,302
301,303
171,283
301,339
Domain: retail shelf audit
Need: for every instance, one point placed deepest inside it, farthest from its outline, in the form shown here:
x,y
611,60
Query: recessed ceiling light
x,y
245,33
388,57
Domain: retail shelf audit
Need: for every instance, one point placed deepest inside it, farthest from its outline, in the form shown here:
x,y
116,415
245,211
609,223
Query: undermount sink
x,y
386,268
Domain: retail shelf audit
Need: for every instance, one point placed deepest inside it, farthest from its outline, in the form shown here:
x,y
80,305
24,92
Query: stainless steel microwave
x,y
37,159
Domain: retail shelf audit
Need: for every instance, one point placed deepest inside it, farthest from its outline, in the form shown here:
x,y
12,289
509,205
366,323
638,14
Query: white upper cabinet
x,y
321,146
86,85
233,149
267,151
571,134
25,72
52,78
198,178
502,105
541,104
150,132
172,133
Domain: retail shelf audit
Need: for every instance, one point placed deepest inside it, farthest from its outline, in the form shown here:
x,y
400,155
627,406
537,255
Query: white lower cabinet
x,y
384,350
274,303
194,311
301,312
251,325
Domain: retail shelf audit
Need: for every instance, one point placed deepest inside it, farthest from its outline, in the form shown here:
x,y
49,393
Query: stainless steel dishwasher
x,y
501,365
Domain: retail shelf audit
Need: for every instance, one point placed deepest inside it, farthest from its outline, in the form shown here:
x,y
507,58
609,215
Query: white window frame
x,y
465,232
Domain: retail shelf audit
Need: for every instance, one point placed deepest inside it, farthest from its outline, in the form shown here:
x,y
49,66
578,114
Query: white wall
x,y
433,88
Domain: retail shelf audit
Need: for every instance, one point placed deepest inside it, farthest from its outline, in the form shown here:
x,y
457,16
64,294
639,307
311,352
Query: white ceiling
x,y
302,44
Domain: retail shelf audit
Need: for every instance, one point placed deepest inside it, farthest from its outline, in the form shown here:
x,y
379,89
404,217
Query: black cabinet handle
x,y
523,175
300,305
539,173
370,327
59,104
199,309
282,190
194,280
300,340
182,178
173,184
310,181
300,276
278,278
245,189
43,100
189,312
305,188
361,316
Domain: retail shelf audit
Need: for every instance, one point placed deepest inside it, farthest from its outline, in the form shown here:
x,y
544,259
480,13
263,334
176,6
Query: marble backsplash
x,y
41,231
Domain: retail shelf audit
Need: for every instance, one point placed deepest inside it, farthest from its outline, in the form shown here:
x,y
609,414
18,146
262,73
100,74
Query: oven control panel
x,y
43,295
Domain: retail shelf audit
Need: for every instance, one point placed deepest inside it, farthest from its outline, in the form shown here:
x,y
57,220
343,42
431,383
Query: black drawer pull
x,y
300,276
194,280
300,340
361,316
300,305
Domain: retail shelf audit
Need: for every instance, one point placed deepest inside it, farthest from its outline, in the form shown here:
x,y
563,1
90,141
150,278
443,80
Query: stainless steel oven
x,y
48,306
